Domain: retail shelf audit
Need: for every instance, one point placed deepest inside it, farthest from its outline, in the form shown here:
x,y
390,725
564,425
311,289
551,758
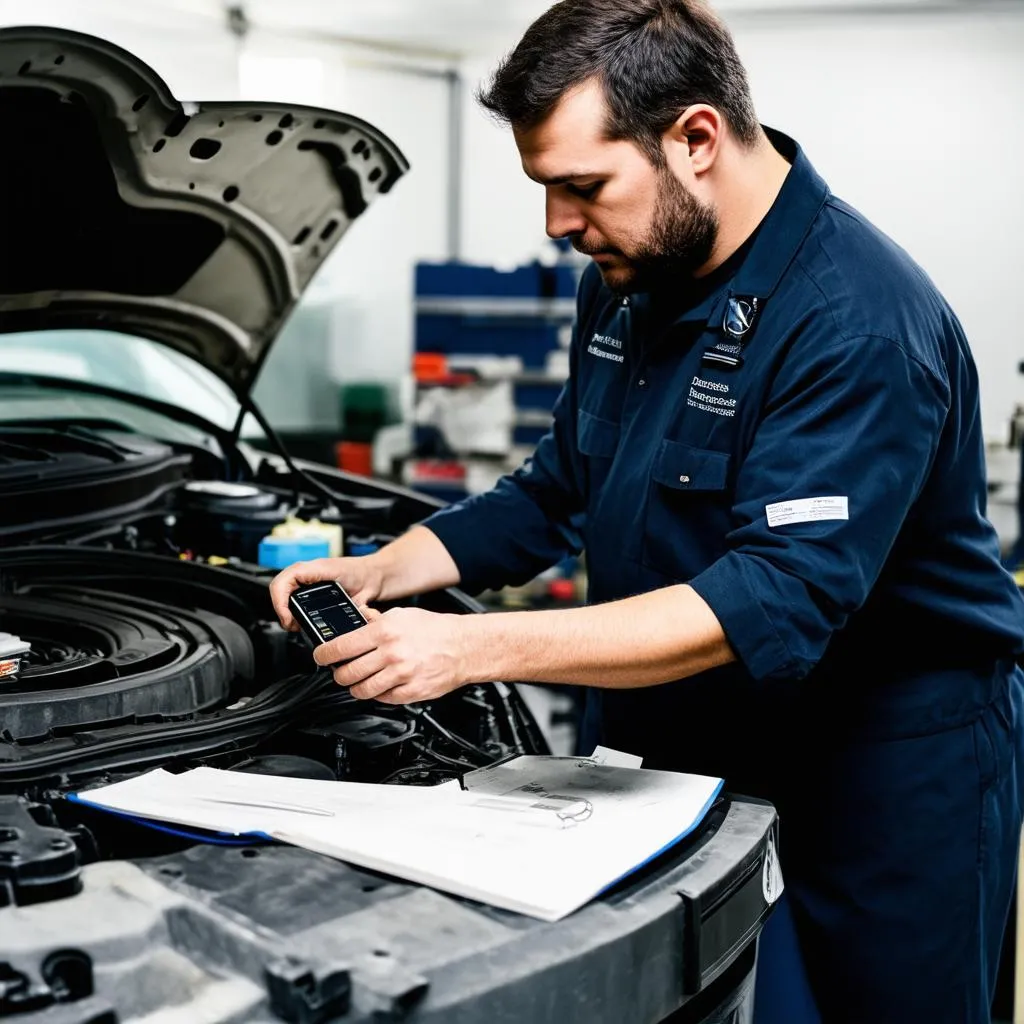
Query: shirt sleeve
x,y
856,420
530,520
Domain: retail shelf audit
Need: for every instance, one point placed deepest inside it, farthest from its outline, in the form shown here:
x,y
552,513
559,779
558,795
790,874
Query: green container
x,y
365,408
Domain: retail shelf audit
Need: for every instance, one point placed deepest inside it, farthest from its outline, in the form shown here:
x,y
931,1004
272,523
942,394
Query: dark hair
x,y
653,59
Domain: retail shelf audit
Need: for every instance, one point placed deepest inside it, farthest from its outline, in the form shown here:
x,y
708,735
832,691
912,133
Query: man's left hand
x,y
400,657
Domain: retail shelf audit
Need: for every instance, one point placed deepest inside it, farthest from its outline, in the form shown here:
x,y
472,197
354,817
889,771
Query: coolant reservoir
x,y
311,529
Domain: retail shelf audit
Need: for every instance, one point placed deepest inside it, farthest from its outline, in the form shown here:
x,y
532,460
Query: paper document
x,y
602,755
538,835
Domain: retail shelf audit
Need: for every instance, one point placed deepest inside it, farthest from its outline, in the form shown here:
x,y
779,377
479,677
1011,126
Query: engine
x,y
140,633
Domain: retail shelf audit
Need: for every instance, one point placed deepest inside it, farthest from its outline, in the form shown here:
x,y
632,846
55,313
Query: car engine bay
x,y
152,641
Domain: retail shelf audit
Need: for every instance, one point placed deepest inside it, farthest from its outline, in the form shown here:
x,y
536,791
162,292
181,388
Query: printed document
x,y
539,835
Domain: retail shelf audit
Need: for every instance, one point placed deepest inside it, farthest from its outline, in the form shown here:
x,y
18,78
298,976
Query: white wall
x,y
374,264
502,210
190,48
913,118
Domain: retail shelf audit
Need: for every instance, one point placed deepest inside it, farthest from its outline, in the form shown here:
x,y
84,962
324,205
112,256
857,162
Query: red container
x,y
355,457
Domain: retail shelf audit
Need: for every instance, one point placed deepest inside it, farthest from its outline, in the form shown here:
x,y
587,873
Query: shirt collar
x,y
781,234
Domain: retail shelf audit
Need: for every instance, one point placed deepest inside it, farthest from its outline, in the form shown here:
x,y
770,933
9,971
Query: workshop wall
x,y
372,270
911,117
188,45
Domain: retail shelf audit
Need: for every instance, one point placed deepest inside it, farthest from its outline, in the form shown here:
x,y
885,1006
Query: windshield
x,y
137,366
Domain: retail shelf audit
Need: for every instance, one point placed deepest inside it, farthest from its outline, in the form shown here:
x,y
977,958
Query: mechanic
x,y
770,449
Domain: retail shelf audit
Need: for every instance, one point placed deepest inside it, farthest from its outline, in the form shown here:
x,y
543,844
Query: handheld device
x,y
324,611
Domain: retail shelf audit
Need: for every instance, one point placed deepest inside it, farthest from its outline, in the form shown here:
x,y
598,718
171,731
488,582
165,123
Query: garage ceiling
x,y
481,26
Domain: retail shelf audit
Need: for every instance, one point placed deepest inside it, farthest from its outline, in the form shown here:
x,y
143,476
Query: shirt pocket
x,y
595,436
689,509
598,441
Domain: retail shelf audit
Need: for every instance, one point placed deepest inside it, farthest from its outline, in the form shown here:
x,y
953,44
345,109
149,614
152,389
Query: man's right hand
x,y
361,577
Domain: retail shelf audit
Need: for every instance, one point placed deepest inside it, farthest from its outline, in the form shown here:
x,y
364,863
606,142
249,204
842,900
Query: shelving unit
x,y
487,329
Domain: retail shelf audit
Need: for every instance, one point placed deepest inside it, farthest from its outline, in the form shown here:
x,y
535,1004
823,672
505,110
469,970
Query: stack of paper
x,y
538,835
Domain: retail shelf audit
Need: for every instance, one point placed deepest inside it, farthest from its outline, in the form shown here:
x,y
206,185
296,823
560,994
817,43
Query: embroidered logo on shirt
x,y
600,345
710,396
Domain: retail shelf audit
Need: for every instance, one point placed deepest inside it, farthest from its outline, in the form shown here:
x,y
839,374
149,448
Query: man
x,y
770,448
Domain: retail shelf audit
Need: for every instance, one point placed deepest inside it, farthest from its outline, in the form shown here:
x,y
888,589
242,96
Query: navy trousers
x,y
902,921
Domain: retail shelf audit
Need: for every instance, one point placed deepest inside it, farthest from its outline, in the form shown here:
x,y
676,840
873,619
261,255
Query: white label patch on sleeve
x,y
808,510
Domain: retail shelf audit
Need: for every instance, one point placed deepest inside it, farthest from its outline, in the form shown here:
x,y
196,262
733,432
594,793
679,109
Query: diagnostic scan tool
x,y
324,611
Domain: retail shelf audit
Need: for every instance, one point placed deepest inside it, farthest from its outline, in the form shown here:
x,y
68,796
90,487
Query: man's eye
x,y
585,191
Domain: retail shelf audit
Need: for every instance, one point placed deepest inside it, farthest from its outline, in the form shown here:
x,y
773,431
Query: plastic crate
x,y
454,335
465,279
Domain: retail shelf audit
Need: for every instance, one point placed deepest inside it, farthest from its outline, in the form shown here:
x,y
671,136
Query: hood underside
x,y
195,225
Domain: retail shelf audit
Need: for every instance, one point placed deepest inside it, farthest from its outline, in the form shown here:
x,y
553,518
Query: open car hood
x,y
197,225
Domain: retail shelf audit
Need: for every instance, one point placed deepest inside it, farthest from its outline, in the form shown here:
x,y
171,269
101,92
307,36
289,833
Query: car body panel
x,y
236,205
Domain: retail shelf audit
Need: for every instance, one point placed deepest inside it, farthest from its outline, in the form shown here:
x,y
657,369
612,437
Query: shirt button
x,y
684,479
641,383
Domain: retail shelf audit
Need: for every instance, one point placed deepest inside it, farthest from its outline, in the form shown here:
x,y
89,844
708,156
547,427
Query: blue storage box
x,y
465,309
470,280
531,340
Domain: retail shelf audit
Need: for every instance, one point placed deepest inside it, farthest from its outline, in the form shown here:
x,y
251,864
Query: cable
x,y
248,405
420,766
452,762
457,740
504,695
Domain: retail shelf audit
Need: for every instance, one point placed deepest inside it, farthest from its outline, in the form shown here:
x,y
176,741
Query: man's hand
x,y
360,577
415,563
408,654
400,657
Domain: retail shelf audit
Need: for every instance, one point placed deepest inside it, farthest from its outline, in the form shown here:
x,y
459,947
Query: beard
x,y
682,236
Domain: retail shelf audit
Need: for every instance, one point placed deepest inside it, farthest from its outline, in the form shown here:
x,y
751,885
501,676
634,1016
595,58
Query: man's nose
x,y
563,217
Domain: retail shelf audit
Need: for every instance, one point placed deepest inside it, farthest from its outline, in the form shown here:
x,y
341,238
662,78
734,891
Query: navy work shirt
x,y
798,437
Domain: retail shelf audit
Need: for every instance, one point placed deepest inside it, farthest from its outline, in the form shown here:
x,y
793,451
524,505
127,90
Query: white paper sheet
x,y
604,755
538,835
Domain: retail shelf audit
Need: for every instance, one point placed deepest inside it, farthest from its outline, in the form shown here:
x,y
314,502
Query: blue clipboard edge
x,y
668,846
214,838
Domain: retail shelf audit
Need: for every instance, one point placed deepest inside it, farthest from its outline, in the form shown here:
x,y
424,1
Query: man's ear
x,y
693,140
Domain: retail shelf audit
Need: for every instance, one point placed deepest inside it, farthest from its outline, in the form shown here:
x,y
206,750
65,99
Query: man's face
x,y
639,223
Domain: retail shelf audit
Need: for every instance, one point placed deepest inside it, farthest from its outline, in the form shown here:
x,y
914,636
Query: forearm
x,y
415,563
640,641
